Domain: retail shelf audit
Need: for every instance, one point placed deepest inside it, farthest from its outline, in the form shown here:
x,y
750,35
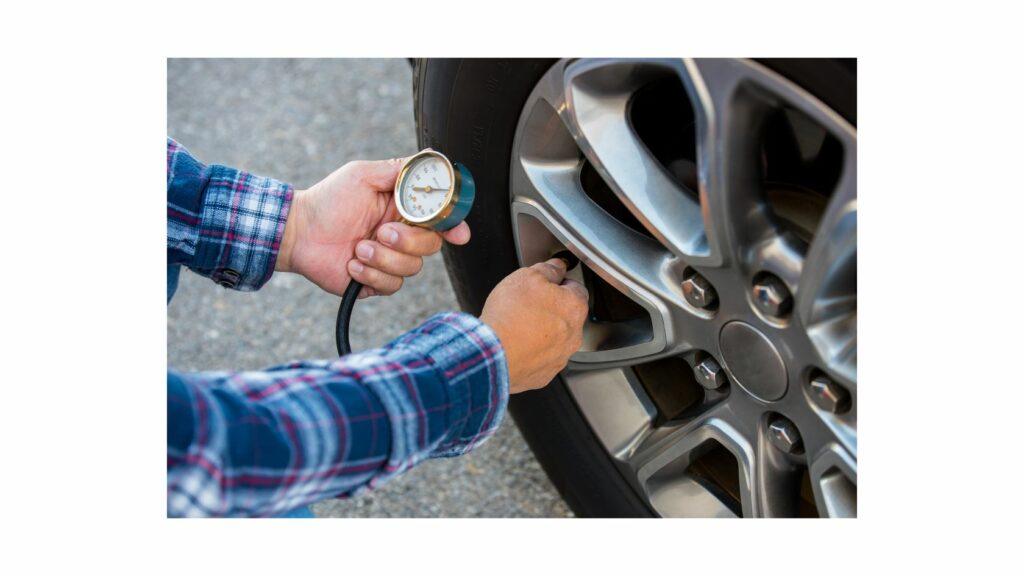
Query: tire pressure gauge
x,y
433,192
430,191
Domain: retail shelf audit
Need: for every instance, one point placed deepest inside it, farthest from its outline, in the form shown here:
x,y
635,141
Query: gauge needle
x,y
425,188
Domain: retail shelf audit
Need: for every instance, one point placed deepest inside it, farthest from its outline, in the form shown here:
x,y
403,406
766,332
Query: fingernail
x,y
364,251
389,236
356,267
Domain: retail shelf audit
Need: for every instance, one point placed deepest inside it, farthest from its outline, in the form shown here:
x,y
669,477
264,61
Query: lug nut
x,y
784,436
771,296
828,395
699,292
709,374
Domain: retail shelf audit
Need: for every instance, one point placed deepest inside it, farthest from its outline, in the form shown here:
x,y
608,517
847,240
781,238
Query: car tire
x,y
469,109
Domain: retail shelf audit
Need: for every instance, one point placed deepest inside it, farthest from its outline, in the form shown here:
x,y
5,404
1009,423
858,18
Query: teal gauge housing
x,y
463,197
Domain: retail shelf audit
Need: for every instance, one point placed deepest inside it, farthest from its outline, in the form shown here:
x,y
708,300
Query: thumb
x,y
553,270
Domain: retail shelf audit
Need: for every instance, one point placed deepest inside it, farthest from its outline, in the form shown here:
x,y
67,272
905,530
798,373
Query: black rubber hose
x,y
348,301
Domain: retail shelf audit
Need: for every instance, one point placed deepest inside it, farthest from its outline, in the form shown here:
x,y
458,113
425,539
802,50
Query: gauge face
x,y
425,187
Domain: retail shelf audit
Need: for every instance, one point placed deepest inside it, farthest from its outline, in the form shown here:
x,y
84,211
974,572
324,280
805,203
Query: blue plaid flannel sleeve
x,y
223,223
262,443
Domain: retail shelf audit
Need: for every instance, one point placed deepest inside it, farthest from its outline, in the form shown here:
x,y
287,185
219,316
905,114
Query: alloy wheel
x,y
713,207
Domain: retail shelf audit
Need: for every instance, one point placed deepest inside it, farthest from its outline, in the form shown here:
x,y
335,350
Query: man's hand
x,y
539,321
344,227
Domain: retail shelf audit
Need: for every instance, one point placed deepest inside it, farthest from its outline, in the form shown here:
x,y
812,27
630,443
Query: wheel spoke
x,y
729,119
779,479
596,112
540,234
826,301
833,475
552,212
732,100
671,465
614,404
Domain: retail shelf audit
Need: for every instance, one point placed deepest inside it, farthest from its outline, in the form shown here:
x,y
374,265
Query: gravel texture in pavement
x,y
298,120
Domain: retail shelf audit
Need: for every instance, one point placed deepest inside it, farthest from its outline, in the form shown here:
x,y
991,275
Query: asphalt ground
x,y
297,120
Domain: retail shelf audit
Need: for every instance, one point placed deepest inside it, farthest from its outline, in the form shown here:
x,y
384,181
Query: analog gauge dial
x,y
426,186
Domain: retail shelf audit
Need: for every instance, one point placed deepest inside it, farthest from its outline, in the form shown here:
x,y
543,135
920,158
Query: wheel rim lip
x,y
585,365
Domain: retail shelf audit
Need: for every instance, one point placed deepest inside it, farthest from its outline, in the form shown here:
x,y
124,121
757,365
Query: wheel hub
x,y
753,361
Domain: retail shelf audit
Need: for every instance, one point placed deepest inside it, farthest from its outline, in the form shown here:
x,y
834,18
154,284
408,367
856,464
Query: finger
x,y
578,291
409,239
366,292
388,260
553,270
458,235
381,282
379,174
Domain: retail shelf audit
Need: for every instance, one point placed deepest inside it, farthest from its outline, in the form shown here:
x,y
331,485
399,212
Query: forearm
x,y
261,443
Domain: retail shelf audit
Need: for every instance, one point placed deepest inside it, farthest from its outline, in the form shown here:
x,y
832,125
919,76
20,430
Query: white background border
x,y
83,291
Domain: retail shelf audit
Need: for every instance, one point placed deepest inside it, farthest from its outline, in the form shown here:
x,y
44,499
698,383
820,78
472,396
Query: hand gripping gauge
x,y
431,191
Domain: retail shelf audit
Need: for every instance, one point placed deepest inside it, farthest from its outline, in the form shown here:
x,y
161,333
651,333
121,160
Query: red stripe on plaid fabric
x,y
229,236
182,217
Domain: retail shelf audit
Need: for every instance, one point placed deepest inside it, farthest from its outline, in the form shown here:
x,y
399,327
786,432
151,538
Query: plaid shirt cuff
x,y
241,226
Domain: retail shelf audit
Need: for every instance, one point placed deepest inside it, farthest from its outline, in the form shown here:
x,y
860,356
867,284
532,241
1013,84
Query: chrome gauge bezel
x,y
451,197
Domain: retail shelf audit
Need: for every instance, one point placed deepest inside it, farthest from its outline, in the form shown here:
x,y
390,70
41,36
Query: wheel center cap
x,y
753,361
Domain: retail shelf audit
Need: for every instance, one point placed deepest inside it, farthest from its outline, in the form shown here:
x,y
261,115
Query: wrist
x,y
292,227
508,345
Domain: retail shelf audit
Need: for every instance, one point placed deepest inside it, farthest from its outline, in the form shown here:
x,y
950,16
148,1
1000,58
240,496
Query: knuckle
x,y
567,328
386,231
429,243
354,167
547,267
379,258
356,271
362,172
581,306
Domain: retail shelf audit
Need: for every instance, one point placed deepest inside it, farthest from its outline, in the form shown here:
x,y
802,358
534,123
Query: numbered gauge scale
x,y
434,192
